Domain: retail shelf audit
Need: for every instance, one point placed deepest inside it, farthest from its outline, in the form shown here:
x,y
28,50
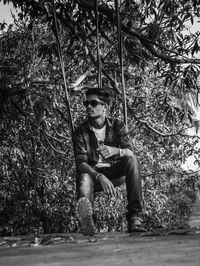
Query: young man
x,y
104,155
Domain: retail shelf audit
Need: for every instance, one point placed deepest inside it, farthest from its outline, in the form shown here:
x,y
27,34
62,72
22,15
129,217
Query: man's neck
x,y
98,122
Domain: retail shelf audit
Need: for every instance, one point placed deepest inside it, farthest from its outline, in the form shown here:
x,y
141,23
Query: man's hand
x,y
107,151
107,186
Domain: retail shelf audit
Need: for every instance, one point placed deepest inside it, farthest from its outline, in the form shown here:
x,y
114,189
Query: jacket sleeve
x,y
80,151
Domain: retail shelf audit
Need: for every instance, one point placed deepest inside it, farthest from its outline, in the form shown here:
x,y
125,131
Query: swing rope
x,y
60,54
120,54
99,79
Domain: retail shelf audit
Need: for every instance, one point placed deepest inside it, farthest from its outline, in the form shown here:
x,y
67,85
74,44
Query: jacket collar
x,y
109,123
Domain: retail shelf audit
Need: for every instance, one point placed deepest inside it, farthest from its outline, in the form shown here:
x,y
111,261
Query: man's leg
x,y
84,186
128,166
84,210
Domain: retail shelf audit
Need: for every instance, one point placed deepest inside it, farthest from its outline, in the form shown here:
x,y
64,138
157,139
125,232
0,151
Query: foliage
x,y
37,188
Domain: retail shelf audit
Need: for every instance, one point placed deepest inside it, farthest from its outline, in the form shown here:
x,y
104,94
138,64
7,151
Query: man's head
x,y
97,102
102,94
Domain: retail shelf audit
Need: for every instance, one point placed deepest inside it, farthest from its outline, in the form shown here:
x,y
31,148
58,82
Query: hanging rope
x,y
120,54
60,53
99,79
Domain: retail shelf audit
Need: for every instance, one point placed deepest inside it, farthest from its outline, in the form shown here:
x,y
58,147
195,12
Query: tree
x,y
153,32
160,72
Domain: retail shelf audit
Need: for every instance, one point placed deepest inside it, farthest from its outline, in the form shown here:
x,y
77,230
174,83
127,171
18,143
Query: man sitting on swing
x,y
104,157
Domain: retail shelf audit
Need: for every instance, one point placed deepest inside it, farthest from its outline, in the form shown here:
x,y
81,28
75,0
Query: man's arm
x,y
106,184
108,151
124,142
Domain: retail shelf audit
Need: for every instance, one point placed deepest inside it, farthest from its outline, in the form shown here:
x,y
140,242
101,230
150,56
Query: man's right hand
x,y
107,185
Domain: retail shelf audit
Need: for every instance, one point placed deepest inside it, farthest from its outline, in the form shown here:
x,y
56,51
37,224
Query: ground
x,y
172,248
156,248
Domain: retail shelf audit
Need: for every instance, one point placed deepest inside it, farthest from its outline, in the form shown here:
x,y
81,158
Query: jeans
x,y
125,169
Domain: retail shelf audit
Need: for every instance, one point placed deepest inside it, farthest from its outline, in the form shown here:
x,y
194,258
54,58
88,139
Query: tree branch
x,y
149,126
11,91
146,42
53,148
172,172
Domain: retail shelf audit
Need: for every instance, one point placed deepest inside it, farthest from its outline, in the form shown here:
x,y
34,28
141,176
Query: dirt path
x,y
175,248
161,248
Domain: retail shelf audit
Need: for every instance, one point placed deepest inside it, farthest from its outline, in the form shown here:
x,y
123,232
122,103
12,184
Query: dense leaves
x,y
161,66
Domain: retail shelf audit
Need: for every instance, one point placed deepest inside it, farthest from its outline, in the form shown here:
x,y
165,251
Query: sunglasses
x,y
92,103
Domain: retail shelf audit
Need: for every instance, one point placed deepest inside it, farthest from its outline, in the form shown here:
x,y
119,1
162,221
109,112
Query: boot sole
x,y
84,215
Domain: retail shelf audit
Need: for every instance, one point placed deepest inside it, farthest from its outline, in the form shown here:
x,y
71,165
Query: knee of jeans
x,y
85,180
131,160
85,186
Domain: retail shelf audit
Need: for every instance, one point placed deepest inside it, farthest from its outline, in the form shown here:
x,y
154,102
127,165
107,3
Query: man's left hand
x,y
107,151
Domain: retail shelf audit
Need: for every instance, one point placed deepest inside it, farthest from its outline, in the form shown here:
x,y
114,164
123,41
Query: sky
x,y
5,13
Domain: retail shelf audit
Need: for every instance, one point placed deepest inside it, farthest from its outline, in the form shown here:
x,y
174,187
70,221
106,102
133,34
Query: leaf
x,y
195,48
179,41
86,50
191,19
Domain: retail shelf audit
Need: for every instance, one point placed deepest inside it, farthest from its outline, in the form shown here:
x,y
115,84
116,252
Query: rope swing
x,y
99,79
99,66
60,53
120,54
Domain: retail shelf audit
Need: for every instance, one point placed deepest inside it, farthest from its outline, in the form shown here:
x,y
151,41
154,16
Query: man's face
x,y
95,107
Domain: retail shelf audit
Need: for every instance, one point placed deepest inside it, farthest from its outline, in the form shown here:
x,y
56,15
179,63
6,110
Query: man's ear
x,y
106,108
